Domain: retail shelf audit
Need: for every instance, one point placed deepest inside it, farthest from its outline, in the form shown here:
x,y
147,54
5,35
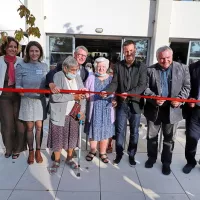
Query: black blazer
x,y
84,74
138,84
194,69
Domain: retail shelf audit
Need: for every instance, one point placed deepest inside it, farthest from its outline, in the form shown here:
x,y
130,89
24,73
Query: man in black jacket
x,y
193,120
130,77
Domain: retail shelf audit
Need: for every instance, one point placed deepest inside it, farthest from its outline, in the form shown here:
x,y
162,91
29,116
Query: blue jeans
x,y
125,111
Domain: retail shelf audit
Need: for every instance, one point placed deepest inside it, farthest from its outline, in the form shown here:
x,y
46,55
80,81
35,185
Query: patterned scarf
x,y
11,69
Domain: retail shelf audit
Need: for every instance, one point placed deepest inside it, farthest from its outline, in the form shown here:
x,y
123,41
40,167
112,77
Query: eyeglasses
x,y
81,55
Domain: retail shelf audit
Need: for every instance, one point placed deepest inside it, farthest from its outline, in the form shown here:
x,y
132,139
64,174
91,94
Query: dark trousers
x,y
125,111
12,129
192,137
168,131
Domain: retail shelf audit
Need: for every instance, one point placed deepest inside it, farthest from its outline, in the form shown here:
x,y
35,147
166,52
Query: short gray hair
x,y
69,62
81,47
101,59
162,49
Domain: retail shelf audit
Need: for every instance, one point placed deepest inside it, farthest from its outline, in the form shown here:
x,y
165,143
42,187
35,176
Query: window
x,y
142,49
194,52
60,48
142,46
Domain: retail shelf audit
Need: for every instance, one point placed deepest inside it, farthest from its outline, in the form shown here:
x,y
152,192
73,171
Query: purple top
x,y
89,84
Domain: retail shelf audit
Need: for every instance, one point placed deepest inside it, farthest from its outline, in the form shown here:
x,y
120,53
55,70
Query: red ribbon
x,y
43,91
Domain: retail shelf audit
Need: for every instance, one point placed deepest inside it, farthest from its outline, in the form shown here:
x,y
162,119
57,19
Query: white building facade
x,y
151,23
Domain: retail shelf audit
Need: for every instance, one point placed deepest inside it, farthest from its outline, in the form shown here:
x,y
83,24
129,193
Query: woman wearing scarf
x,y
12,129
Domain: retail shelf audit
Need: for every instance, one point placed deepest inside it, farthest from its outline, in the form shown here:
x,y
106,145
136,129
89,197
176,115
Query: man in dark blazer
x,y
130,77
193,130
166,79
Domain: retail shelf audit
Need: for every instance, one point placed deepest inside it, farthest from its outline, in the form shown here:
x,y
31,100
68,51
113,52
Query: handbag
x,y
75,110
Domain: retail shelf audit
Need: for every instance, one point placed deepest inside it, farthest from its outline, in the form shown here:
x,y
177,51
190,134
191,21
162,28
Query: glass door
x,y
142,48
59,47
193,52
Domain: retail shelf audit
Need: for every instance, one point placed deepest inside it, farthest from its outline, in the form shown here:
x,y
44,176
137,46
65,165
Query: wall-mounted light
x,y
99,30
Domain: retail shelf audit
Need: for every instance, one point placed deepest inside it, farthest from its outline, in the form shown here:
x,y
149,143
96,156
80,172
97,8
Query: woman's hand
x,y
21,94
81,116
54,89
78,97
85,94
114,103
83,89
103,94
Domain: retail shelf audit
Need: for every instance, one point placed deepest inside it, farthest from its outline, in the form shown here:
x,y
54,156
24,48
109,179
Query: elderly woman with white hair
x,y
63,126
100,120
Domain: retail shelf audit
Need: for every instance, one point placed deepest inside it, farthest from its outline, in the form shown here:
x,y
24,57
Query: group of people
x,y
20,113
104,113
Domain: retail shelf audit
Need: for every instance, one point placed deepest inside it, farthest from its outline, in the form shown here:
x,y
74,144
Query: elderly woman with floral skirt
x,y
101,116
63,127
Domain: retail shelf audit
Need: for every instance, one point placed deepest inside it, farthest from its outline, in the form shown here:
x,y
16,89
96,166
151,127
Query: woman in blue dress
x,y
100,115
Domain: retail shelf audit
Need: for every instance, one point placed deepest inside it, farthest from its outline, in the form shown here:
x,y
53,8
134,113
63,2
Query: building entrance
x,y
101,47
60,46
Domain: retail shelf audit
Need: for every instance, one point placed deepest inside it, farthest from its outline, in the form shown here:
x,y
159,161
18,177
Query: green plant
x,y
30,21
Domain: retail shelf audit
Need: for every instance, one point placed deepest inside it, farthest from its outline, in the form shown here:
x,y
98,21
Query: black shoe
x,y
166,169
53,156
7,155
188,168
132,161
149,163
117,160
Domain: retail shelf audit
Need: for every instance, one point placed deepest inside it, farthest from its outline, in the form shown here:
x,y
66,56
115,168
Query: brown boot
x,y
30,160
38,156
